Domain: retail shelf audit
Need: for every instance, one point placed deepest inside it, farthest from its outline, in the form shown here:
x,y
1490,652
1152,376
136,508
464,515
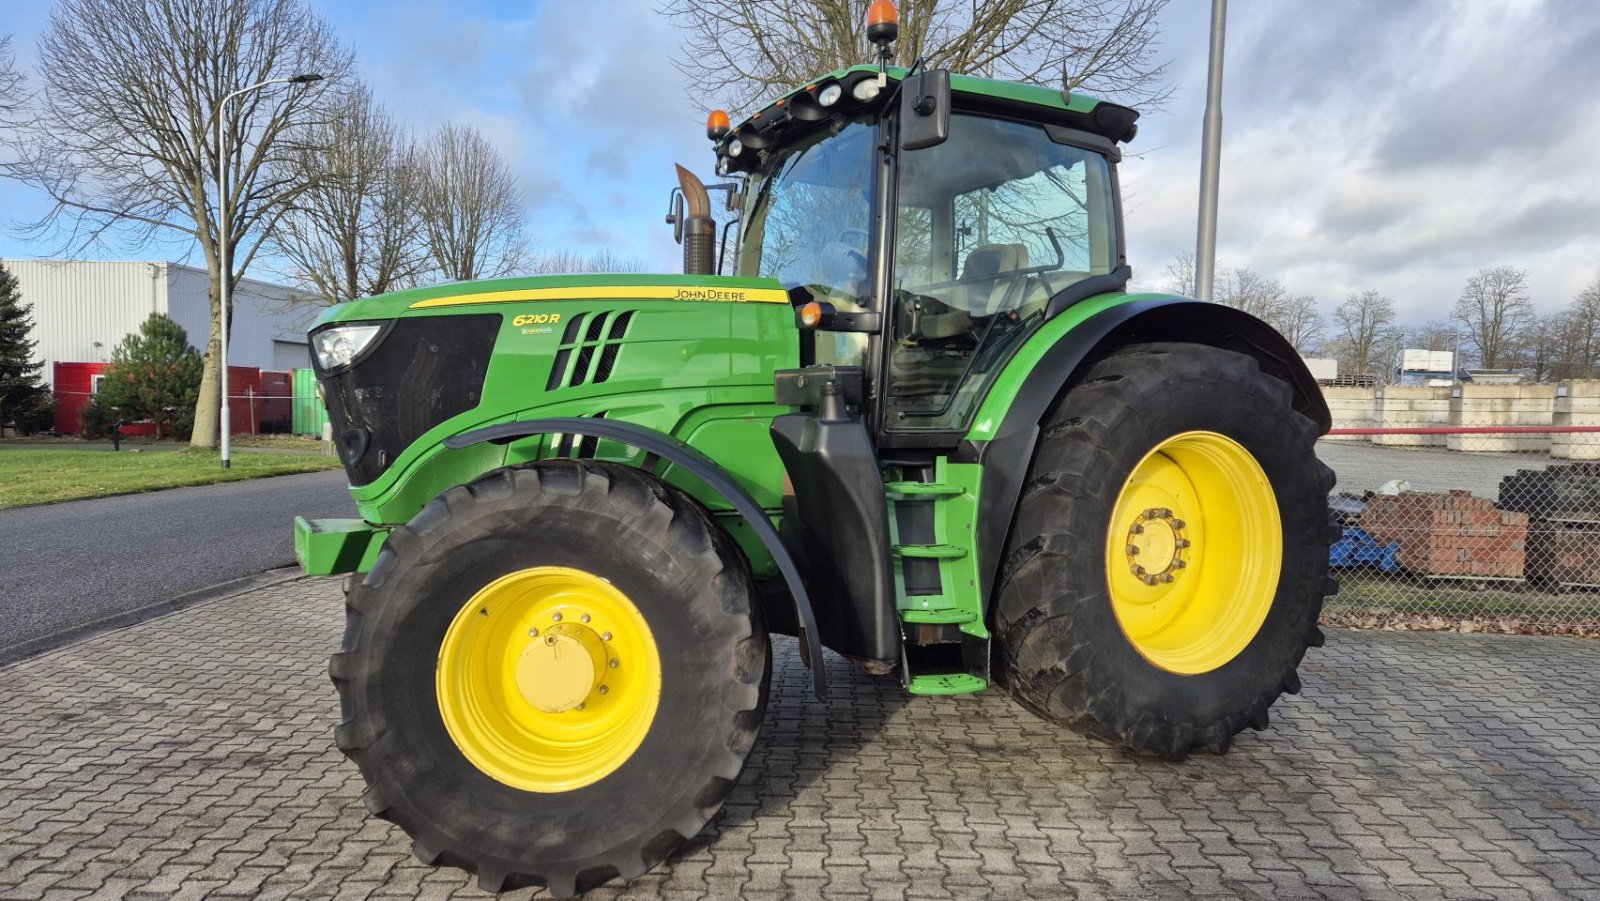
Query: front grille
x,y
419,373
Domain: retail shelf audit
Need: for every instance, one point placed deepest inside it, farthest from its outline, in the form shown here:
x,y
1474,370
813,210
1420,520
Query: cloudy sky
x,y
1366,144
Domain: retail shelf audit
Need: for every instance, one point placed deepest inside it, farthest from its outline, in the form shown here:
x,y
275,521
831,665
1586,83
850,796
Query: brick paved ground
x,y
191,757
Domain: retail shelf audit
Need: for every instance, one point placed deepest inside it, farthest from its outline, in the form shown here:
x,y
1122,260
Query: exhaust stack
x,y
699,230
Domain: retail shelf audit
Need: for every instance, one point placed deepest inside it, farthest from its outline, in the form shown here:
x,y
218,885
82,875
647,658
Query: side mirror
x,y
925,110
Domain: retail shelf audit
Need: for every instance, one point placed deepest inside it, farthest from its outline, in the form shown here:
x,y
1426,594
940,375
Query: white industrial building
x,y
83,308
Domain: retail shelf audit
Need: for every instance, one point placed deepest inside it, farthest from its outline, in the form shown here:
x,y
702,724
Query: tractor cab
x,y
924,225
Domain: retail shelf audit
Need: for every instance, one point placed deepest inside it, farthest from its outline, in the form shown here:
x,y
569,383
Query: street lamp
x,y
224,264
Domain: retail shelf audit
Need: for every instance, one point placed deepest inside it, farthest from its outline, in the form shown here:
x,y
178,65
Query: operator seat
x,y
928,366
991,262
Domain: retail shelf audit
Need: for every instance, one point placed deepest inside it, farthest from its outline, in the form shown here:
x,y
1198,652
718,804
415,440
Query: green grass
x,y
29,476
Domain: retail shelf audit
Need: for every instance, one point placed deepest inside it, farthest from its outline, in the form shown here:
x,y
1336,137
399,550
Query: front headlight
x,y
337,346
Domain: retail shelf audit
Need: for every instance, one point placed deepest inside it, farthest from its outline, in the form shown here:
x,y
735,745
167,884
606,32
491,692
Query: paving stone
x,y
192,756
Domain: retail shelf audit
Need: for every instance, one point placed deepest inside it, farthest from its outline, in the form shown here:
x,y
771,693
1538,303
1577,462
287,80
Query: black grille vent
x,y
608,356
601,332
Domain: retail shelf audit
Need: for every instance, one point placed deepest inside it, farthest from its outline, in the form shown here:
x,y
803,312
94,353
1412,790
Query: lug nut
x,y
1149,580
533,633
605,689
1133,550
616,663
579,707
584,618
556,617
605,636
1138,529
1178,564
1177,523
1183,542
1138,570
1167,578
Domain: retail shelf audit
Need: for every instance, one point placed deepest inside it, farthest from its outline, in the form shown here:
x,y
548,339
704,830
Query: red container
x,y
244,398
74,385
276,410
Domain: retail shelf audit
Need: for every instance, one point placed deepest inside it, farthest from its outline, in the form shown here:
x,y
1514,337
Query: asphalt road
x,y
64,566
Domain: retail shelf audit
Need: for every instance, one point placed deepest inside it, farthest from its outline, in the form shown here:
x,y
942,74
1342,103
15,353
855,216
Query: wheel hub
x,y
1156,546
561,667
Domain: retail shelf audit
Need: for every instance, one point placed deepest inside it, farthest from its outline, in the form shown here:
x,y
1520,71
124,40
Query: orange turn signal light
x,y
717,125
811,315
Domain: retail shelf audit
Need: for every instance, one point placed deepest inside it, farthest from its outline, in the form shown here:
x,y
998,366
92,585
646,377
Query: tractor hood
x,y
402,372
517,291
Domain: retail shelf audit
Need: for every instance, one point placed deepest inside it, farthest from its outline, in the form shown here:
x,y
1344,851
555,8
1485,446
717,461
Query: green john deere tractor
x,y
924,427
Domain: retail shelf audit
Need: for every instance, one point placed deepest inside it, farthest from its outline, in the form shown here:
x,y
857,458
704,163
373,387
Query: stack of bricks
x,y
1451,534
1567,553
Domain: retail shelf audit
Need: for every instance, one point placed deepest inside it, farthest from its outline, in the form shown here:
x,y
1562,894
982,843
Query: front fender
x,y
706,470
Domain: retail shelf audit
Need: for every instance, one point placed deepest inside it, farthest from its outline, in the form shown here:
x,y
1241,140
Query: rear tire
x,y
1084,638
445,722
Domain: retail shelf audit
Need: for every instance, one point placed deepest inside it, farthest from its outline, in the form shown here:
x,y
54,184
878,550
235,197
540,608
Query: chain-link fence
x,y
251,411
1467,527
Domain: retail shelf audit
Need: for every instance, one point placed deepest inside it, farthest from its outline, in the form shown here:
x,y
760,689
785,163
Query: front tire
x,y
553,675
1169,557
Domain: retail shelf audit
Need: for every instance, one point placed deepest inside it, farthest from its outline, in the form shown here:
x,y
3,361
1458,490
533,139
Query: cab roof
x,y
1027,102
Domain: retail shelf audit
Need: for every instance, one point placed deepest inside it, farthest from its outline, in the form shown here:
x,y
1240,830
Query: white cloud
x,y
1391,146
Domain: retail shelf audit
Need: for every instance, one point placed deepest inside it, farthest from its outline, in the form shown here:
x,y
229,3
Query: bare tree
x,y
1245,290
740,52
1493,310
1180,274
1583,333
1362,332
355,231
1299,321
13,88
557,262
1435,334
470,205
124,141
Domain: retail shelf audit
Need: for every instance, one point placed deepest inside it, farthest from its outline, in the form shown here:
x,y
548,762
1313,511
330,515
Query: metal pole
x,y
225,283
1205,255
225,267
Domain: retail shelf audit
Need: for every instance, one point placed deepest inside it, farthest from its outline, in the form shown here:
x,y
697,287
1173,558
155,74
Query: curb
x,y
34,647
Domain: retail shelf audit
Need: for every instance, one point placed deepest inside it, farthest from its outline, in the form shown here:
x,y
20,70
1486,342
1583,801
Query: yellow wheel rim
x,y
1193,552
548,679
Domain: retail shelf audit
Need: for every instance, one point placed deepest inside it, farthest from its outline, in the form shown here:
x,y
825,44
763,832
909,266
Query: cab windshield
x,y
807,216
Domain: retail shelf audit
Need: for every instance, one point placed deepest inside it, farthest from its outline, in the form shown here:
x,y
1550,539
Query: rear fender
x,y
1007,450
706,470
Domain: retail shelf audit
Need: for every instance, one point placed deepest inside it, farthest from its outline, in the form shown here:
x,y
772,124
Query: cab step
x,y
923,489
930,551
946,684
942,616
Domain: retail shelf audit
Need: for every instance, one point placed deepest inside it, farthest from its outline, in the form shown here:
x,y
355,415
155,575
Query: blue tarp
x,y
1357,548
